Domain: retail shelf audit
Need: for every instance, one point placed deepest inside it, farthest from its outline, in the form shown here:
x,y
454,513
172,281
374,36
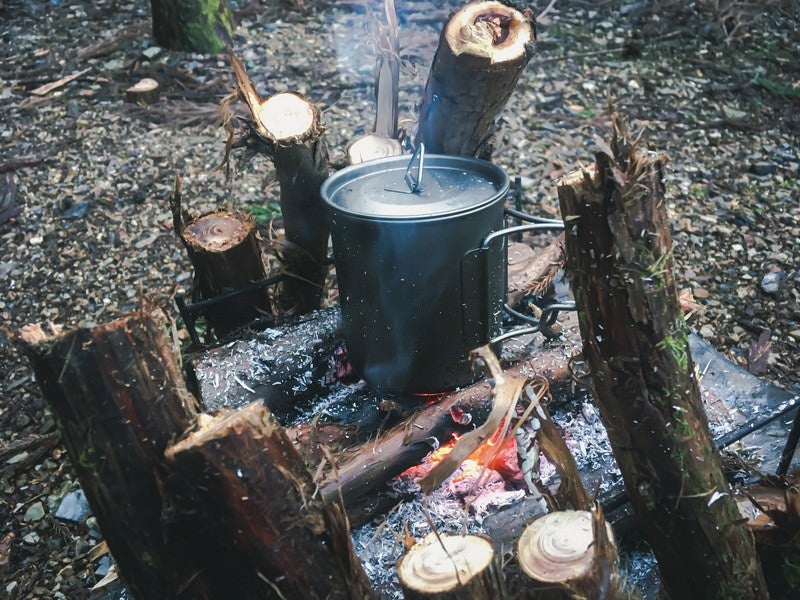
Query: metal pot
x,y
416,286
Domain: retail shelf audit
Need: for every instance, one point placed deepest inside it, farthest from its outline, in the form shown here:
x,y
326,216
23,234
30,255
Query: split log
x,y
571,554
636,343
144,92
451,567
290,130
482,51
223,249
382,142
192,25
275,535
119,399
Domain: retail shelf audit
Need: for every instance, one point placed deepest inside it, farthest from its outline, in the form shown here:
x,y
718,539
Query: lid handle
x,y
413,182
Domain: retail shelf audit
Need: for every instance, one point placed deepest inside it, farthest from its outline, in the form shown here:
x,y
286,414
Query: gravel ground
x,y
85,180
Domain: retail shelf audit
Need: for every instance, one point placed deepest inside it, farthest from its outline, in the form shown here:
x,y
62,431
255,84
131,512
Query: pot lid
x,y
403,188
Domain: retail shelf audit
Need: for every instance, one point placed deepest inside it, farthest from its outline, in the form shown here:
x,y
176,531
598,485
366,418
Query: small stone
x,y
94,528
103,565
152,52
771,282
34,513
73,507
31,538
707,331
701,293
763,168
11,587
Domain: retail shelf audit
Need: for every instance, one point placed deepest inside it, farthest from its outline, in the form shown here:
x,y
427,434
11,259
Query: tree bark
x,y
277,537
635,340
482,51
289,130
192,25
223,249
451,567
119,399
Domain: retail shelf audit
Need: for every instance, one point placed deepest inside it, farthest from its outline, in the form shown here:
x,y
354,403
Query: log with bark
x,y
274,535
636,343
572,554
451,567
482,51
223,248
289,130
119,399
192,25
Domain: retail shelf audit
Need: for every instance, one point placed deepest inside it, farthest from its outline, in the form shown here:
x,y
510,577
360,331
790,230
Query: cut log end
x,y
217,232
144,91
371,147
558,548
490,30
444,563
287,117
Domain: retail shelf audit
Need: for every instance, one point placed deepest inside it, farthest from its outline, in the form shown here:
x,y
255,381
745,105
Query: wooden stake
x,y
451,567
290,130
572,551
482,51
274,535
119,398
145,91
619,256
224,251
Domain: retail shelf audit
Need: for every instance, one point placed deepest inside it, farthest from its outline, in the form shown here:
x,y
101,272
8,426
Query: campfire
x,y
412,439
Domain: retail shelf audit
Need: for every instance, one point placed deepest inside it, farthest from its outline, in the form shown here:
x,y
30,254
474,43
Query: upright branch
x,y
635,340
482,51
289,129
117,393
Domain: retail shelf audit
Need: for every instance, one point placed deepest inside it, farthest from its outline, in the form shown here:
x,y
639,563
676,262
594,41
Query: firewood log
x,y
119,399
636,343
290,130
482,51
273,534
574,552
223,249
451,567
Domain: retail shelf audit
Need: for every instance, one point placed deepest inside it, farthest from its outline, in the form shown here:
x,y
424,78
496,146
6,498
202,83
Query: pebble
x,y
34,513
31,538
103,565
707,331
763,168
74,507
771,282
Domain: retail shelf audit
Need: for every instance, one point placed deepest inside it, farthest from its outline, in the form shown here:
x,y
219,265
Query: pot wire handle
x,y
415,183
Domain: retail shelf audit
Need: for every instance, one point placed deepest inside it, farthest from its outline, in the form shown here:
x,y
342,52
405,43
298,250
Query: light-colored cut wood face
x,y
286,116
490,30
217,231
557,547
439,564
